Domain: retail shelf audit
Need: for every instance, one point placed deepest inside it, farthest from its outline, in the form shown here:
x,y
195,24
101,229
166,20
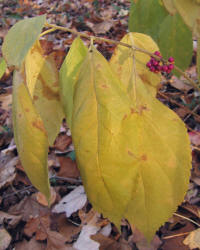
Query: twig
x,y
183,217
175,235
56,27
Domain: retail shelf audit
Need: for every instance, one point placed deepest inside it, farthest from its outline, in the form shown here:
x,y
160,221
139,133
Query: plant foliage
x,y
132,151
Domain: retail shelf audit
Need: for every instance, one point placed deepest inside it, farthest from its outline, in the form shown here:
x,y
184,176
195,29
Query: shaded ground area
x,y
25,220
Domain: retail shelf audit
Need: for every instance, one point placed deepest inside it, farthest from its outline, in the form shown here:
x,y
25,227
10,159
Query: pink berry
x,y
148,64
152,69
171,59
164,68
170,66
159,68
157,53
168,71
155,63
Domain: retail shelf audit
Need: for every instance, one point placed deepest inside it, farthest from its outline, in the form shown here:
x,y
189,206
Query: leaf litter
x,y
20,207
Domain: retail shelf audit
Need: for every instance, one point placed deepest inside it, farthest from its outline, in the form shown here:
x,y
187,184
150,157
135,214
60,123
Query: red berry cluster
x,y
157,66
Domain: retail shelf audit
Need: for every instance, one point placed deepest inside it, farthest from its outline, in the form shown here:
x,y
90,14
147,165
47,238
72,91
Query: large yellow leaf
x,y
68,75
190,12
125,60
43,85
133,154
30,136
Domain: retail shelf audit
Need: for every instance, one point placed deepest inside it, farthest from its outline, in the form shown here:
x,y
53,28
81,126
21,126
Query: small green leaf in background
x,y
175,39
20,39
68,76
30,136
146,17
2,67
190,12
169,5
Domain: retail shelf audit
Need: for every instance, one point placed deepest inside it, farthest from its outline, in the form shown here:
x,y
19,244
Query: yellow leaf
x,y
125,61
30,136
133,154
68,76
190,12
42,83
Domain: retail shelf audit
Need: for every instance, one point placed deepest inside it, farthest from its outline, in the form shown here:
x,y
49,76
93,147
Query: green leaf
x,y
175,39
20,39
125,59
190,12
30,136
43,84
68,76
146,17
133,154
3,67
169,5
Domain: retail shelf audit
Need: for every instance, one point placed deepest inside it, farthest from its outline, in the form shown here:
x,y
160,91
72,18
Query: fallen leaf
x,y
142,244
72,202
194,138
41,198
109,243
62,142
66,228
9,219
68,168
38,225
84,242
33,244
193,239
56,241
5,239
7,169
28,208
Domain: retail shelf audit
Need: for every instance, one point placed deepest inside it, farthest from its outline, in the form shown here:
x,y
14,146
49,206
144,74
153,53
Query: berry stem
x,y
56,27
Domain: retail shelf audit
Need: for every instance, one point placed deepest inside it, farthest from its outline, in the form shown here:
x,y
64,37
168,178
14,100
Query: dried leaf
x,y
7,169
72,202
193,239
5,239
9,219
68,168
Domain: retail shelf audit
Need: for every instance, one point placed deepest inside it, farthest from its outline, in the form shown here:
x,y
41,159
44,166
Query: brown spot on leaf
x,y
27,110
142,108
130,153
125,116
39,125
47,91
19,115
104,86
144,157
133,111
144,78
35,98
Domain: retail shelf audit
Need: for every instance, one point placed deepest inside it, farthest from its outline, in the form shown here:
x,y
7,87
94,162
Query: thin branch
x,y
56,27
188,219
175,235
